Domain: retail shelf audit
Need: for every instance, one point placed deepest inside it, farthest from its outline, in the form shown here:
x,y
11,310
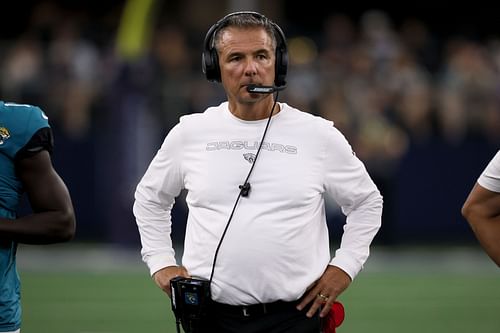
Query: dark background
x,y
423,190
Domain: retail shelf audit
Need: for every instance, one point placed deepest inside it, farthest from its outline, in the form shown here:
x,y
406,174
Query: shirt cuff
x,y
159,261
347,265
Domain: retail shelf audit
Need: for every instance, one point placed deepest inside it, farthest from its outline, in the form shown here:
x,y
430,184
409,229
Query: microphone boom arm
x,y
253,88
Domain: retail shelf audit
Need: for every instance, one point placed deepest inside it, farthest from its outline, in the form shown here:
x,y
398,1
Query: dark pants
x,y
278,317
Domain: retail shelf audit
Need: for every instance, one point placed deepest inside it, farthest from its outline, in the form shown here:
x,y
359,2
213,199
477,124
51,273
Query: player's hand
x,y
163,276
325,291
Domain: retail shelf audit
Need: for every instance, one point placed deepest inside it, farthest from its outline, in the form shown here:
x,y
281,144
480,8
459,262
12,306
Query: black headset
x,y
210,59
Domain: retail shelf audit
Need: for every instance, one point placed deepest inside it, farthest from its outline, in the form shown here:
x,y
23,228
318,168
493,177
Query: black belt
x,y
253,309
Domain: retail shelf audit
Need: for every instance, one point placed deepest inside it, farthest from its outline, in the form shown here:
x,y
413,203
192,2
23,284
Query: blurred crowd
x,y
388,88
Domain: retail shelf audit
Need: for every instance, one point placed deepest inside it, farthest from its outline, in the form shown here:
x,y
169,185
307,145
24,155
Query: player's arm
x,y
53,218
482,211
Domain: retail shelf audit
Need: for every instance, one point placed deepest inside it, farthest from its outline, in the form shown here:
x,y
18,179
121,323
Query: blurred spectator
x,y
468,101
418,40
74,78
22,71
171,91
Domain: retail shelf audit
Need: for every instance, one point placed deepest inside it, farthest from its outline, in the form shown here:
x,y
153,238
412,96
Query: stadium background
x,y
415,88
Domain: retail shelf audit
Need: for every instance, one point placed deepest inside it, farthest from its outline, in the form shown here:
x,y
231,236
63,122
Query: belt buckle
x,y
245,312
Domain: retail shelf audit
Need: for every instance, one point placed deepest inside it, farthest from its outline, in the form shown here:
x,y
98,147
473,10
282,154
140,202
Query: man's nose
x,y
250,67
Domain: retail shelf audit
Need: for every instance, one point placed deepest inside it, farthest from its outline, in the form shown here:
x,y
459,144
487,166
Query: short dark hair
x,y
245,20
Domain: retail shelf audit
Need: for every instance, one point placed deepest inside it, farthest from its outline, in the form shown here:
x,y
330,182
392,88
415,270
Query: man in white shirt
x,y
256,174
482,209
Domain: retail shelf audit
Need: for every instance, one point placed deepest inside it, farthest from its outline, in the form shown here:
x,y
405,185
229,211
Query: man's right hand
x,y
163,276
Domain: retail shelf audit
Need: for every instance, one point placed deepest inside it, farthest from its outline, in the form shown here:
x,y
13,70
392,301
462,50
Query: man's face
x,y
246,55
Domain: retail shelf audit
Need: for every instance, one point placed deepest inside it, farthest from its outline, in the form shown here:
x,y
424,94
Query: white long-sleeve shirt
x,y
277,242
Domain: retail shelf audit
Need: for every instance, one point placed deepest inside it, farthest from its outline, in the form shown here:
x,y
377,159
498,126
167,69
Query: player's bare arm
x,y
482,211
53,218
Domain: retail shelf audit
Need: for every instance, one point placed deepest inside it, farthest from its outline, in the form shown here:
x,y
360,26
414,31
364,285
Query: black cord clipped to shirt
x,y
244,191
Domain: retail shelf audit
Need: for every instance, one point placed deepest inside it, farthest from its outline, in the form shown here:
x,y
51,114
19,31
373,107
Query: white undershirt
x,y
277,242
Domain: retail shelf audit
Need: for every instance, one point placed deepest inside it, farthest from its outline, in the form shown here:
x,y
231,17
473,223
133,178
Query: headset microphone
x,y
253,88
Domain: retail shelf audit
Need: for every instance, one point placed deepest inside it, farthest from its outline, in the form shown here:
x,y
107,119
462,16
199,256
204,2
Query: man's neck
x,y
254,111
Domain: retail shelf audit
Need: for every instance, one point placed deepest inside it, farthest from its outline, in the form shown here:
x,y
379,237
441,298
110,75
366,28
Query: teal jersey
x,y
20,126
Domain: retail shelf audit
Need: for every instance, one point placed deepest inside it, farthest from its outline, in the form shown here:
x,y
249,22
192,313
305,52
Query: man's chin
x,y
251,99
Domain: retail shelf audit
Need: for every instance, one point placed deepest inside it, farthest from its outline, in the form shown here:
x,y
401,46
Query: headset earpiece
x,y
210,59
281,66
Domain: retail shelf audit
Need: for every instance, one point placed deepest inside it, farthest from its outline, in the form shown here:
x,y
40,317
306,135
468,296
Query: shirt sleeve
x,y
490,177
43,139
154,198
30,130
350,185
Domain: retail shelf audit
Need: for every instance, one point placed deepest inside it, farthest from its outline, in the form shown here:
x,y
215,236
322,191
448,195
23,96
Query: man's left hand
x,y
325,291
